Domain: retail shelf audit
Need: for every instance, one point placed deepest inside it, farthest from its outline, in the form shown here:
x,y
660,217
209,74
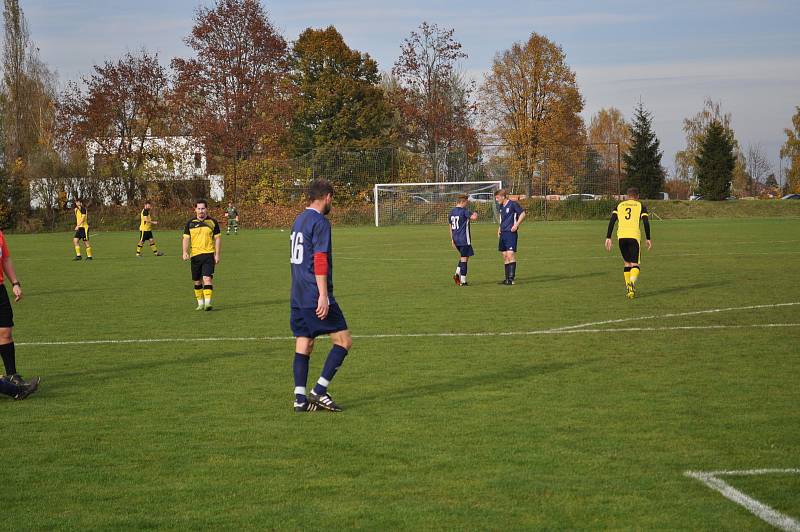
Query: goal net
x,y
430,203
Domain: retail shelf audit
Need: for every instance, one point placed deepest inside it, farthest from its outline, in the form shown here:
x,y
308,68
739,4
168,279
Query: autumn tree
x,y
113,113
27,100
791,150
757,165
530,101
433,98
339,98
235,92
715,163
643,168
610,136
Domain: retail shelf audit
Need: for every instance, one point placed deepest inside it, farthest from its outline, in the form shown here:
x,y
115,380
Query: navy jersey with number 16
x,y
311,234
459,226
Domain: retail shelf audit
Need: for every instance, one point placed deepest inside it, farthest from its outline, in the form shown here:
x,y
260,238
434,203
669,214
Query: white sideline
x,y
676,315
413,335
758,508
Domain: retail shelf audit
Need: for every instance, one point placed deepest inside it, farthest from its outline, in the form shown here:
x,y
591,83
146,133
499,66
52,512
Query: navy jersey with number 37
x,y
459,226
311,234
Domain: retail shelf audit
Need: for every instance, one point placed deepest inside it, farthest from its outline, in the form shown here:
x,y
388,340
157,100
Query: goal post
x,y
430,203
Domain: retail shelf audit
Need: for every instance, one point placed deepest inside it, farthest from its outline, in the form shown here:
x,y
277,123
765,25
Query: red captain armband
x,y
320,263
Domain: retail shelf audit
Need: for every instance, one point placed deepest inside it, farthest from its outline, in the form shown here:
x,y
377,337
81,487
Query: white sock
x,y
463,279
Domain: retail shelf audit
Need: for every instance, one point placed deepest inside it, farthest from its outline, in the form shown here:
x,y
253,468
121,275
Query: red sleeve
x,y
4,244
320,263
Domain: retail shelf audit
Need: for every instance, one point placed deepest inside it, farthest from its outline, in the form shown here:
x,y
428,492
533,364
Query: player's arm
x,y
187,237
520,219
8,268
217,242
646,222
321,275
473,216
611,224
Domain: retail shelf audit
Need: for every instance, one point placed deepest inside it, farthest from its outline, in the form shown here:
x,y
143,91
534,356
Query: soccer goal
x,y
430,203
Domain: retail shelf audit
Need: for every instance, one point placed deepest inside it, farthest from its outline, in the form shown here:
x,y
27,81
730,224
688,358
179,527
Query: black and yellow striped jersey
x,y
145,224
630,213
81,218
202,234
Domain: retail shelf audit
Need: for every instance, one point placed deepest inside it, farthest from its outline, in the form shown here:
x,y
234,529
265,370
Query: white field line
x,y
428,258
675,315
757,508
412,335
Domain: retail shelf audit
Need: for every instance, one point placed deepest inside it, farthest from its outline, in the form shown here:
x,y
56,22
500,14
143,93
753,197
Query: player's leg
x,y
228,227
208,290
462,266
76,243
635,268
140,244
457,275
335,325
512,266
197,280
154,247
7,349
303,348
88,246
236,227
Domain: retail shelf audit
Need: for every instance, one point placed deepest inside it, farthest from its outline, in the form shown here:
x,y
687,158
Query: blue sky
x,y
672,55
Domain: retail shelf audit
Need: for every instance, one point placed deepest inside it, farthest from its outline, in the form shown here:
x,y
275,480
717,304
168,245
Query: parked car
x,y
791,196
695,197
580,197
481,197
663,196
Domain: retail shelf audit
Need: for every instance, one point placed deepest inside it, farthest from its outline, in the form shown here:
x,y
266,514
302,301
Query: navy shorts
x,y
508,241
465,251
306,324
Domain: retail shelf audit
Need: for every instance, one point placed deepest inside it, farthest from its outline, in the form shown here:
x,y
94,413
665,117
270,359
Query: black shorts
x,y
202,266
145,235
82,234
6,313
465,251
630,249
305,323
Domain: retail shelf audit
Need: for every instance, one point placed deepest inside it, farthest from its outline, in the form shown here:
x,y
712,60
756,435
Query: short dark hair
x,y
319,188
201,200
146,201
633,191
502,193
462,197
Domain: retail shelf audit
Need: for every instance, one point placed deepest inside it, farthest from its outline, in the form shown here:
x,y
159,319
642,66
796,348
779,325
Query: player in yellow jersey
x,y
146,223
201,244
81,231
629,213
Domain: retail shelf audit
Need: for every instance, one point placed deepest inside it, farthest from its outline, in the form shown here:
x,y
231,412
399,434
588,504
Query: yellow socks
x,y
153,248
634,274
208,291
198,295
77,251
138,249
627,274
89,251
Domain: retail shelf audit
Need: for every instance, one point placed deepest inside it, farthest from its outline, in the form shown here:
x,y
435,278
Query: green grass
x,y
581,430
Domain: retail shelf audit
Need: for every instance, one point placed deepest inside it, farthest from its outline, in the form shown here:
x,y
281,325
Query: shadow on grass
x,y
282,302
680,288
497,379
550,278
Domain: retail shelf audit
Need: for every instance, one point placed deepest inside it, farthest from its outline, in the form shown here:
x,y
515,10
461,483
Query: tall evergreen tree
x,y
715,162
643,161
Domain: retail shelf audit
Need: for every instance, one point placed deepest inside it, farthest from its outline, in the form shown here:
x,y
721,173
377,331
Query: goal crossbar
x,y
393,187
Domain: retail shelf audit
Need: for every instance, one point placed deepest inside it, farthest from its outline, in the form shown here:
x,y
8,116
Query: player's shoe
x,y
138,255
208,307
464,284
89,258
630,291
16,379
308,406
159,254
78,258
504,281
457,279
26,389
324,401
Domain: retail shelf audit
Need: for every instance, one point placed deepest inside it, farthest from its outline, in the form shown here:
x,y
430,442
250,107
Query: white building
x,y
180,157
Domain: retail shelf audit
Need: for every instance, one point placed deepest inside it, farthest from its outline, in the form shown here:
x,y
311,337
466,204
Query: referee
x,y
11,384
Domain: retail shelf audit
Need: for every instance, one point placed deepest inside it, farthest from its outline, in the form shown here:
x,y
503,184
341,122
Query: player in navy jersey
x,y
314,309
511,217
460,237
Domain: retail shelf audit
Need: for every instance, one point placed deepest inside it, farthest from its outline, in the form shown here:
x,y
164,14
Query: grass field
x,y
516,426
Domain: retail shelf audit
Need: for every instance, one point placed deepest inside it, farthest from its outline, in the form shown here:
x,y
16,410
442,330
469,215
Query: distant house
x,y
179,157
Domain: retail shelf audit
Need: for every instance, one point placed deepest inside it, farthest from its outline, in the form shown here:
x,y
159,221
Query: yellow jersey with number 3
x,y
629,214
